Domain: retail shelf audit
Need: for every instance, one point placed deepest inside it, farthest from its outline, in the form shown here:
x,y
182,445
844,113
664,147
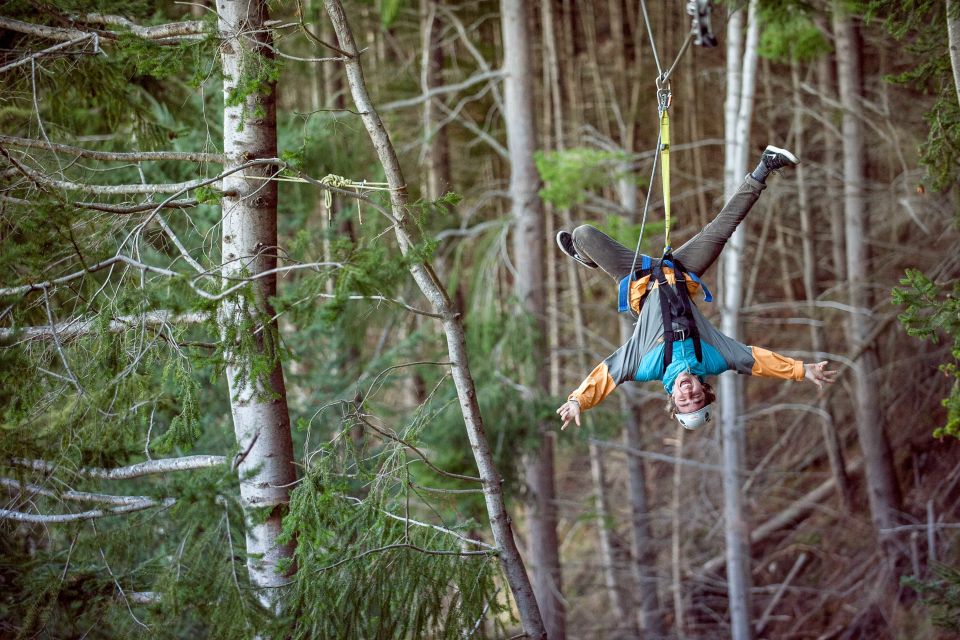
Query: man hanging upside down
x,y
672,341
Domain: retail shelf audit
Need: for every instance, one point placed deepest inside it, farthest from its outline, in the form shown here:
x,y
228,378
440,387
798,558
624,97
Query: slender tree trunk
x,y
953,37
259,404
741,70
433,291
436,146
882,488
807,239
642,540
528,244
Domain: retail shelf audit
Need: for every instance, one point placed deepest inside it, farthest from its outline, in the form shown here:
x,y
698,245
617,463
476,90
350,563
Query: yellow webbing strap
x,y
665,172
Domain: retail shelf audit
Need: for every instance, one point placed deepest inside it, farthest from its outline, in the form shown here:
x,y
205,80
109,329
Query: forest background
x,y
283,325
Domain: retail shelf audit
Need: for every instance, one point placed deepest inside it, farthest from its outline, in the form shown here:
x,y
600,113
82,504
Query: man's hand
x,y
569,411
818,374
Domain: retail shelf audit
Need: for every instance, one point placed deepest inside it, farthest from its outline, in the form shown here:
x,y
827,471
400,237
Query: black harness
x,y
675,309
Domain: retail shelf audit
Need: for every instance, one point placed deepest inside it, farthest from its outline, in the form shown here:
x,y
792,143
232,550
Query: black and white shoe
x,y
775,158
565,242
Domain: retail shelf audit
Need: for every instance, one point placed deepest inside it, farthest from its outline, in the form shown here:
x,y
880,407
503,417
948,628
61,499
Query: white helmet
x,y
697,418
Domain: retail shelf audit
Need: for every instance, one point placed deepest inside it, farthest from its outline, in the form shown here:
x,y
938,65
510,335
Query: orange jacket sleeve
x,y
769,364
594,388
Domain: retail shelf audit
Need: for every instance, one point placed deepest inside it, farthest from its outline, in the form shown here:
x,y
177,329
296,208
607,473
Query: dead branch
x,y
114,156
84,326
164,465
19,516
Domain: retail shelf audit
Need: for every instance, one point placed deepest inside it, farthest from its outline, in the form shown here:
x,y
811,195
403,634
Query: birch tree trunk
x,y
528,242
261,420
953,38
436,295
738,111
882,488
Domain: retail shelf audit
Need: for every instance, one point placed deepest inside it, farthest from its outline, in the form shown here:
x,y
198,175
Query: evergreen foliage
x,y
929,311
125,389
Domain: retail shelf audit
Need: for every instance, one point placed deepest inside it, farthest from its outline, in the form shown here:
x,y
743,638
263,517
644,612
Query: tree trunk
x,y
738,109
953,37
528,244
882,488
259,405
807,238
642,541
433,291
436,147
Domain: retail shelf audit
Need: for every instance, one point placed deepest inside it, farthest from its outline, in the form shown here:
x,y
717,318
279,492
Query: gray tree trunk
x,y
259,405
953,38
436,147
882,489
738,111
830,439
433,291
528,242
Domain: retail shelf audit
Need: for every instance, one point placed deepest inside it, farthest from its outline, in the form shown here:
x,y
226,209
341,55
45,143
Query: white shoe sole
x,y
789,156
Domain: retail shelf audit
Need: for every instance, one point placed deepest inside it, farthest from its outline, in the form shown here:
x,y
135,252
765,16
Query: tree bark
x,y
436,145
953,38
528,241
882,488
807,239
434,292
738,109
249,237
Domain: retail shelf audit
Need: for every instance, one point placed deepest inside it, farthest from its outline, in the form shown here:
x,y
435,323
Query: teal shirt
x,y
684,359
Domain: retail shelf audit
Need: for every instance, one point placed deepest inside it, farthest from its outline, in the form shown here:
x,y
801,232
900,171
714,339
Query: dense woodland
x,y
283,326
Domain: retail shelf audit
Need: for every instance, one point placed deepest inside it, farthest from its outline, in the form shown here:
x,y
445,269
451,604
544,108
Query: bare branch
x,y
165,32
136,208
75,496
43,31
117,156
27,288
119,189
384,299
164,465
19,516
83,326
53,49
450,88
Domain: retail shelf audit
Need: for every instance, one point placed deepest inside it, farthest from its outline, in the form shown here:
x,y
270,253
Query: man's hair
x,y
671,406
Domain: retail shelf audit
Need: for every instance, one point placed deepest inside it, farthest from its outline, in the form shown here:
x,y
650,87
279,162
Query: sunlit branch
x,y
164,465
74,496
19,516
155,32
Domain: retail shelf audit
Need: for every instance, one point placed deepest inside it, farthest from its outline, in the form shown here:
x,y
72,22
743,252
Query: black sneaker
x,y
774,158
565,242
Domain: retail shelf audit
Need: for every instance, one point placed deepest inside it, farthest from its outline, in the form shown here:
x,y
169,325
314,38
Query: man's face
x,y
688,393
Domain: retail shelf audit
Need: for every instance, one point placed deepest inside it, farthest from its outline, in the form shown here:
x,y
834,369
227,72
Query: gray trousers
x,y
697,254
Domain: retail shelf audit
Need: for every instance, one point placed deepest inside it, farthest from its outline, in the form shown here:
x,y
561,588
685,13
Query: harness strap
x,y
675,299
623,287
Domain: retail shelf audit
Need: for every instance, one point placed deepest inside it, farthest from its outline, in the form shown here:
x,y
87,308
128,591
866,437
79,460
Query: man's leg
x,y
607,253
701,251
